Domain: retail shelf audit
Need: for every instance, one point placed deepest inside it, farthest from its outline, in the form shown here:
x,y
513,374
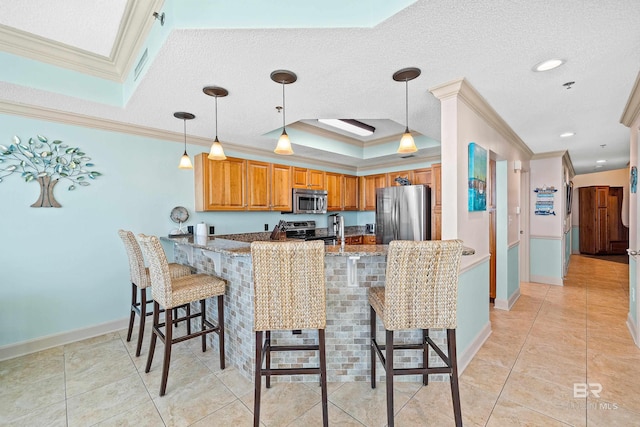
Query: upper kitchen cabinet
x,y
368,186
333,185
422,176
220,184
350,193
258,186
311,179
281,188
392,176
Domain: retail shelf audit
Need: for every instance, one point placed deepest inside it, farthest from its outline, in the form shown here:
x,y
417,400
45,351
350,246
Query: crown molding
x,y
136,24
631,111
463,90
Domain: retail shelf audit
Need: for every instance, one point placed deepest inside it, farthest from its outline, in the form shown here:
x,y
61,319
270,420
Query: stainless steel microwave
x,y
309,201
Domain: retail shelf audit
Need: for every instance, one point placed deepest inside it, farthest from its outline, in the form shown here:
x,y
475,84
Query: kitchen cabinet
x,y
350,193
334,187
220,184
422,176
368,186
281,188
369,239
258,186
312,179
436,192
601,228
353,240
392,176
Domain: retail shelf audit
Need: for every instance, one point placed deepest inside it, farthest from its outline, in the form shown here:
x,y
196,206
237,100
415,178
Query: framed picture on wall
x,y
569,189
477,178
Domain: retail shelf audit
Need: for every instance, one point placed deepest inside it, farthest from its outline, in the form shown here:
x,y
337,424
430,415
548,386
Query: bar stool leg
x,y
389,376
323,377
372,321
132,316
168,327
152,344
221,329
267,355
203,309
143,319
425,355
257,381
455,391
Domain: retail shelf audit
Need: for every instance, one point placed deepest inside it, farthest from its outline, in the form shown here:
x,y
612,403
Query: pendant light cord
x,y
406,97
216,118
185,135
283,109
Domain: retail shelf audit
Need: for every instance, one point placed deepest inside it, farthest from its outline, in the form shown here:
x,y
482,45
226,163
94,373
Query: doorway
x,y
491,208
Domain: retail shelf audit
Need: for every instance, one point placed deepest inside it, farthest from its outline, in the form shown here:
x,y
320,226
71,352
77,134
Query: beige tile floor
x,y
524,374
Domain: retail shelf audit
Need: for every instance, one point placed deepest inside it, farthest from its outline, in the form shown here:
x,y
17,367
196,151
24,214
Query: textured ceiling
x,y
346,72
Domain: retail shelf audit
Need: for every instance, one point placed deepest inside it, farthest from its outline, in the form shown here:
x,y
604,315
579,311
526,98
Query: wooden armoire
x,y
601,228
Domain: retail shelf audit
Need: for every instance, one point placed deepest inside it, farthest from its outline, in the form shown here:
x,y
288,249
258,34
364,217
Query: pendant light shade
x,y
407,144
216,152
283,77
185,161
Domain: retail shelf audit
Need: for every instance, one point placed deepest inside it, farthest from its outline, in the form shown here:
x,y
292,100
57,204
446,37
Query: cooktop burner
x,y
300,229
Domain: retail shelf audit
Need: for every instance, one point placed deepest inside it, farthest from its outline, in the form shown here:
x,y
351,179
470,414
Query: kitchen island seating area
x,y
170,293
140,281
289,294
420,292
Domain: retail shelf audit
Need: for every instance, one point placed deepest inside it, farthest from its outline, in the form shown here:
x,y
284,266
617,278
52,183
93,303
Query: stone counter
x,y
349,270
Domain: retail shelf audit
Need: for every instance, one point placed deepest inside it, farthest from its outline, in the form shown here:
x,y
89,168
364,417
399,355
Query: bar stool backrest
x,y
158,270
289,285
421,285
137,269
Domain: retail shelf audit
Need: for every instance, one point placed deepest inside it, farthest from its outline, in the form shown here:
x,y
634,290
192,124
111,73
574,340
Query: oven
x,y
309,201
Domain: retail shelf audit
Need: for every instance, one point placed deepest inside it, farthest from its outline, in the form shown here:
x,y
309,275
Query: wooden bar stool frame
x,y
434,266
289,294
165,291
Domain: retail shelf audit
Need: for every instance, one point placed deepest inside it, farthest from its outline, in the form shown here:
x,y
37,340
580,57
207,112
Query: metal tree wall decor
x,y
46,162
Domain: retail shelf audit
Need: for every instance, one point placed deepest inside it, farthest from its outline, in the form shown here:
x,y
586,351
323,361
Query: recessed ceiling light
x,y
549,64
601,161
567,134
350,125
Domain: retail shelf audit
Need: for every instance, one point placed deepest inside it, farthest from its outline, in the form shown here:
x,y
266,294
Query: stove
x,y
306,230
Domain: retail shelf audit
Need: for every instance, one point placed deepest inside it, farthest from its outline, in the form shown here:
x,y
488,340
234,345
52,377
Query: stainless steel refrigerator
x,y
403,213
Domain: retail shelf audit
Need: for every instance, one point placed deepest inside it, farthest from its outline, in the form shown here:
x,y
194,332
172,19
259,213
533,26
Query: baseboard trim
x,y
502,304
38,344
465,358
633,330
547,280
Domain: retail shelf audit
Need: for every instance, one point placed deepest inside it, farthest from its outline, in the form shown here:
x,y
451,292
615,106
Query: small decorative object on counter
x,y
46,162
179,215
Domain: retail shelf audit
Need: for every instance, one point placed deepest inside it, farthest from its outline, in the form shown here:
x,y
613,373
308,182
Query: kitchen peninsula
x,y
350,270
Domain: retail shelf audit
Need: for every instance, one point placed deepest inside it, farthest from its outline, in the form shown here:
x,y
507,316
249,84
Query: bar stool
x,y
140,280
289,294
420,292
171,292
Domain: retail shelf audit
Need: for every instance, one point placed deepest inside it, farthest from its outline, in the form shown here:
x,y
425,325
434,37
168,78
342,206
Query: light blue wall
x,y
473,304
633,311
545,258
567,252
575,239
513,262
65,268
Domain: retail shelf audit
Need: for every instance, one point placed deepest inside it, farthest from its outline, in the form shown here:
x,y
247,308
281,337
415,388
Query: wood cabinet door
x,y
602,231
369,239
422,176
436,190
436,229
368,190
258,186
350,193
300,177
333,185
281,188
315,179
391,177
223,183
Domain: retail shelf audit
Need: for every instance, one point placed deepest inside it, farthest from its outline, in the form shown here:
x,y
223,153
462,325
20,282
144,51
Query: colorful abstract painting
x,y
477,178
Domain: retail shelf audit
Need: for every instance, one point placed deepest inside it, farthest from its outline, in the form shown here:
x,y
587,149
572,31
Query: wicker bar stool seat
x,y
170,293
289,294
420,292
140,281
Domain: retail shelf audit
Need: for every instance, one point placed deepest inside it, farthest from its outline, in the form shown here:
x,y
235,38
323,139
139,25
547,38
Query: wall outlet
x,y
266,227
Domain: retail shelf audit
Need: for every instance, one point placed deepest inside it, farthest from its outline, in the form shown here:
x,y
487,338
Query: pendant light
x,y
284,77
407,145
217,152
185,161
